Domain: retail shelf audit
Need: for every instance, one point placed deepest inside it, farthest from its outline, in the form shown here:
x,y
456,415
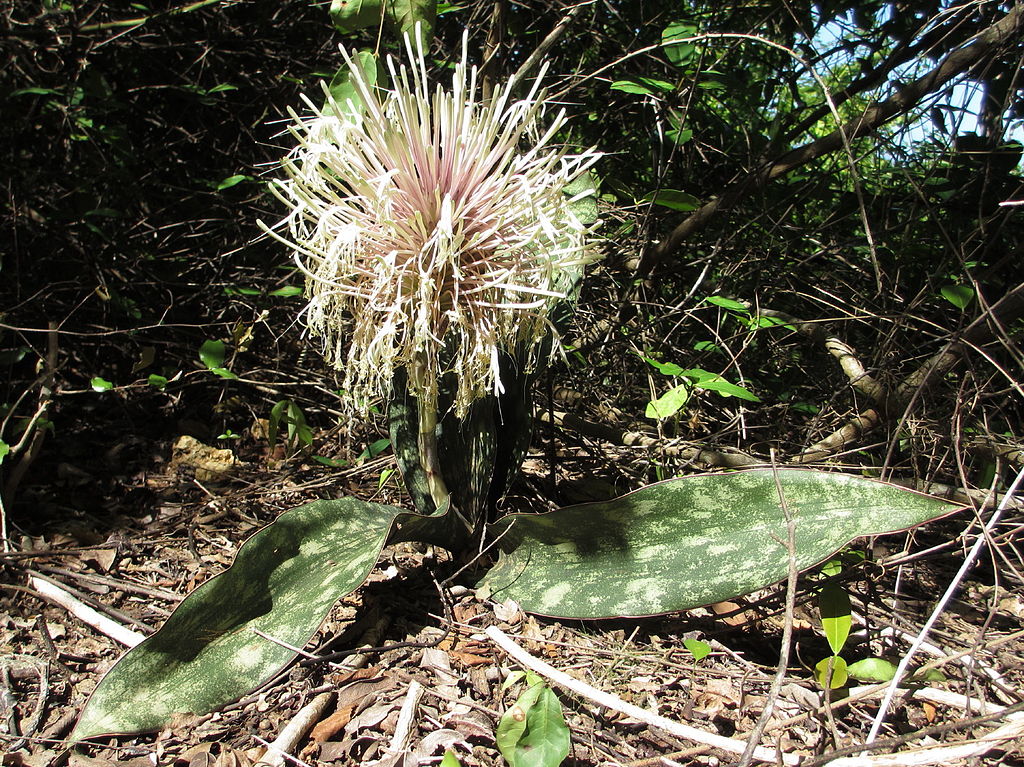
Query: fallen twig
x,y
289,737
615,703
85,613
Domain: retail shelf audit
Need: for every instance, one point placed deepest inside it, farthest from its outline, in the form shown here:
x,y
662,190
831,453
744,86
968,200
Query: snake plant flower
x,y
432,228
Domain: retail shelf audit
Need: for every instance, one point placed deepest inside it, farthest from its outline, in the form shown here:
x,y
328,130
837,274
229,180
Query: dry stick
x,y
542,49
86,614
1004,311
403,729
684,450
787,628
901,669
617,704
283,745
1007,29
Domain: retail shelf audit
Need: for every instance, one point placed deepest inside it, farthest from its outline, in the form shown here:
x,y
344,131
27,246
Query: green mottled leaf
x,y
284,580
834,606
100,384
691,541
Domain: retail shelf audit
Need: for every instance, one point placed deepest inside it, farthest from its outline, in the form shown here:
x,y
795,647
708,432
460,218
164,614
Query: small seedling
x,y
533,733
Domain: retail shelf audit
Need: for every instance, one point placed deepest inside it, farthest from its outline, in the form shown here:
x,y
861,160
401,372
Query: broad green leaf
x,y
352,15
211,354
406,15
958,295
284,580
834,606
673,199
698,649
669,403
840,673
5,449
691,541
512,724
679,53
157,381
872,670
100,384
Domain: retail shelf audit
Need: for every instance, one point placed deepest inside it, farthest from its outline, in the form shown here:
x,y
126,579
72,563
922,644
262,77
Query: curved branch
x,y
1008,29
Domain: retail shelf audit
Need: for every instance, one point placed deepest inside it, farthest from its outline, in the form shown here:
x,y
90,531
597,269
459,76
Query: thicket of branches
x,y
808,168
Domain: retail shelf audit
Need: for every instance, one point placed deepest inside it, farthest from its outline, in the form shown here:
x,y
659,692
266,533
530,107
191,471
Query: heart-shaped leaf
x,y
691,541
232,633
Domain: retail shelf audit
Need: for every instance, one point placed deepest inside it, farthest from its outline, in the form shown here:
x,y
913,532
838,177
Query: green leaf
x,y
224,373
727,303
834,606
287,291
679,53
352,15
958,295
284,580
644,86
405,15
211,354
669,403
533,732
402,15
691,541
343,92
450,759
5,450
157,381
723,387
668,368
582,193
673,199
698,649
872,670
231,181
840,674
100,384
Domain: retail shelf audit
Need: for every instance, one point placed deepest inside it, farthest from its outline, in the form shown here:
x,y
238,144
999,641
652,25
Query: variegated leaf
x,y
691,541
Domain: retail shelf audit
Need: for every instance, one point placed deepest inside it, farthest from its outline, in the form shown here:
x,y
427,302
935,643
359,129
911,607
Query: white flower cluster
x,y
432,228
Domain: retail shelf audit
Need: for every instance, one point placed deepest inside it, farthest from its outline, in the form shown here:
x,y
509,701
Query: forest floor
x,y
173,516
